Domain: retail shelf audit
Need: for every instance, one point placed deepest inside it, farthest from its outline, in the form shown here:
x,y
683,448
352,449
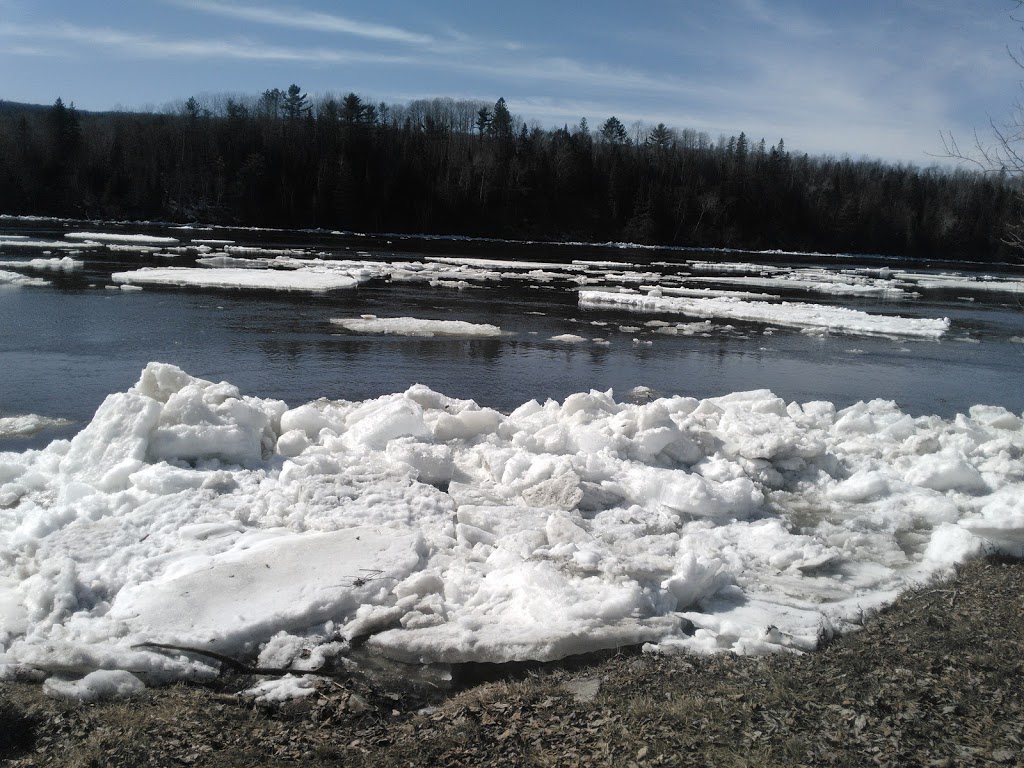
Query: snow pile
x,y
413,326
815,317
429,529
311,279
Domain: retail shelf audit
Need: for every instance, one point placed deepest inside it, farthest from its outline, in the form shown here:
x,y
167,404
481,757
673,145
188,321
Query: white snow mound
x,y
432,530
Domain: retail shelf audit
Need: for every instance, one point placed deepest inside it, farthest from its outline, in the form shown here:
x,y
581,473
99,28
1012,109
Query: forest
x,y
444,166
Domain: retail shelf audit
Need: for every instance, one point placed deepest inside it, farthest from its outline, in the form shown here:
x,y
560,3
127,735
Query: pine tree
x,y
501,121
483,120
614,131
295,104
660,136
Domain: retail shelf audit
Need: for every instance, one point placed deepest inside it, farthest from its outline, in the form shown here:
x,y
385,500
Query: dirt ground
x,y
935,680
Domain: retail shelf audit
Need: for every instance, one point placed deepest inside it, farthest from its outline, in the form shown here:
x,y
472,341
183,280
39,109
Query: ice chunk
x,y
411,326
793,314
121,237
17,280
944,472
188,513
29,424
99,685
312,279
232,601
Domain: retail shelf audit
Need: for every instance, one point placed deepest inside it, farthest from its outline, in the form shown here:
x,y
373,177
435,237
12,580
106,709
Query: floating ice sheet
x,y
962,282
16,279
309,279
818,317
121,237
16,241
414,326
432,530
831,284
64,264
501,263
29,424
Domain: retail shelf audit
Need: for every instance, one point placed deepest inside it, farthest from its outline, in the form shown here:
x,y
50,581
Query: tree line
x,y
444,166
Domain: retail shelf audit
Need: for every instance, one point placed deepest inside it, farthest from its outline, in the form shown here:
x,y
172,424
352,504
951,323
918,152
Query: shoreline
x,y
935,679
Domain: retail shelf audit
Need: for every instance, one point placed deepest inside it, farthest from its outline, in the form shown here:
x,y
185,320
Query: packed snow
x,y
413,326
431,530
307,279
814,317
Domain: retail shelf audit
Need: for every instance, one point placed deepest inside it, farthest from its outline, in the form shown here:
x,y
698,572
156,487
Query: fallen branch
x,y
234,664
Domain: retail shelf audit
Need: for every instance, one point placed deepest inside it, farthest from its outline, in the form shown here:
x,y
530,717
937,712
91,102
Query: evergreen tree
x,y
660,136
270,103
483,121
613,131
295,104
501,121
352,109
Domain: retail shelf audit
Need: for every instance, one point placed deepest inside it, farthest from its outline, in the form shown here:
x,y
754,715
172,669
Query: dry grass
x,y
936,680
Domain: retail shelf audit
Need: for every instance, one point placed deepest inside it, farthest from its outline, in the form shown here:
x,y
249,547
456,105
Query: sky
x,y
877,78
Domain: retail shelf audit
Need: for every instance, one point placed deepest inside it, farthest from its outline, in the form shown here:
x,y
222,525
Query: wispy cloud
x,y
152,47
36,51
523,70
296,18
784,20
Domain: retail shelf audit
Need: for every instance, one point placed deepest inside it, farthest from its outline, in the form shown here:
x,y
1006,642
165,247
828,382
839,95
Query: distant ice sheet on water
x,y
306,279
64,264
121,237
816,317
413,326
29,424
15,279
429,529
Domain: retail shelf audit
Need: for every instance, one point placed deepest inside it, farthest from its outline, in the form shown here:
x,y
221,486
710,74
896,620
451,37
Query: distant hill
x,y
9,107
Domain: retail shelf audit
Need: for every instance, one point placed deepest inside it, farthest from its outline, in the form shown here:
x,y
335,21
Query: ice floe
x,y
309,279
429,529
821,282
64,264
16,279
121,237
816,317
413,326
11,241
29,424
962,282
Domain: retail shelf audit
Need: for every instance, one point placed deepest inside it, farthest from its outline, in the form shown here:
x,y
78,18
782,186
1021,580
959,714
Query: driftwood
x,y
233,664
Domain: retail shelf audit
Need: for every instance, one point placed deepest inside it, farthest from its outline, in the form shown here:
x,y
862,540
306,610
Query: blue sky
x,y
871,78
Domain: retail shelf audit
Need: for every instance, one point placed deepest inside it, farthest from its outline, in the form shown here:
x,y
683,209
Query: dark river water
x,y
64,347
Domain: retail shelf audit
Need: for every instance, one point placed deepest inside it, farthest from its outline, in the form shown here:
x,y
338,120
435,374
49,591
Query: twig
x,y
234,664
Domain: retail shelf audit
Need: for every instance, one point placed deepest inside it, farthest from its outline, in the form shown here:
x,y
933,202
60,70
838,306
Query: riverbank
x,y
934,680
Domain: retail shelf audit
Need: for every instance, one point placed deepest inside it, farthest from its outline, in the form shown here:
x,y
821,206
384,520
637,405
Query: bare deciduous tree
x,y
1002,152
